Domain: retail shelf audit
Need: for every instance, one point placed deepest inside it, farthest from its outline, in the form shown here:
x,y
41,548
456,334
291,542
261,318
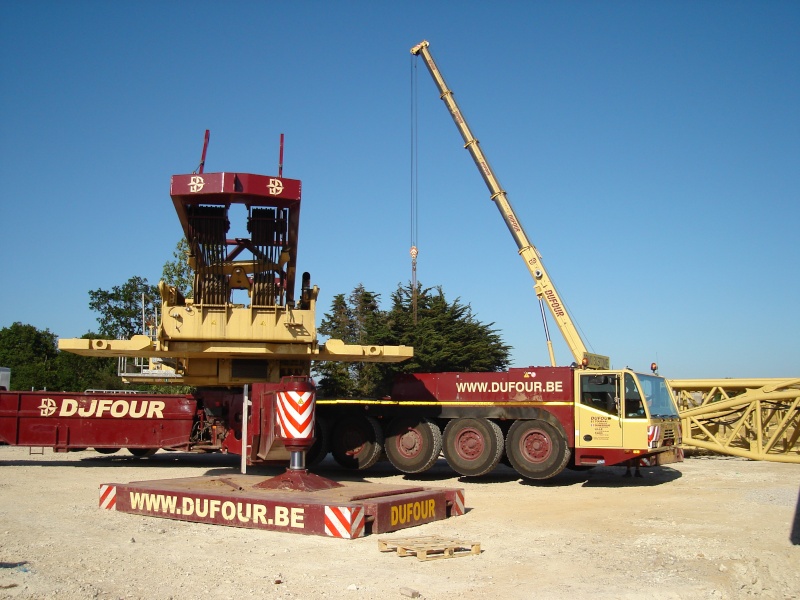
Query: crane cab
x,y
623,415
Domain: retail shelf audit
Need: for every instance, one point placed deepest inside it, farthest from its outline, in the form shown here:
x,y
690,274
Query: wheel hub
x,y
470,444
410,443
536,446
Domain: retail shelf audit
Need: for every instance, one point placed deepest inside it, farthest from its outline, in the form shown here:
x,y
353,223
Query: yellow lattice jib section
x,y
757,419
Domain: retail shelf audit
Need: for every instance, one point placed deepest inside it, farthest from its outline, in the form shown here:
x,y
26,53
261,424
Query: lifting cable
x,y
414,188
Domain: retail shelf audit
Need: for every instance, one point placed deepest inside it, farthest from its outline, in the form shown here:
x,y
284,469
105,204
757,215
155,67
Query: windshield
x,y
657,395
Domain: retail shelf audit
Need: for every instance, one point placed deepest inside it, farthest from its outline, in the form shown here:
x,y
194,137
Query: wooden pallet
x,y
429,547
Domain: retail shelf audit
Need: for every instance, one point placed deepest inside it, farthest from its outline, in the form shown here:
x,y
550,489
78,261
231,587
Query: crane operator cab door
x,y
599,407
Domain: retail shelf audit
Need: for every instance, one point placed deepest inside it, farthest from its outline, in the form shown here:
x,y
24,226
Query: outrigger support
x,y
295,501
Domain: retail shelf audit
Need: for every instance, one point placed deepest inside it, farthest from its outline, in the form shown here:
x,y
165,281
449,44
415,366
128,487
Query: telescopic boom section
x,y
545,290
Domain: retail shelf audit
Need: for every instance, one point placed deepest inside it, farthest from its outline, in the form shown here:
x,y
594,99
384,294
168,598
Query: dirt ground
x,y
705,528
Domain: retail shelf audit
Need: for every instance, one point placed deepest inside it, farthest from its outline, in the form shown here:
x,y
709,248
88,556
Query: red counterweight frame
x,y
252,191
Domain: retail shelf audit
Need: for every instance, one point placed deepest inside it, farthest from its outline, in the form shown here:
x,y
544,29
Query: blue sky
x,y
651,150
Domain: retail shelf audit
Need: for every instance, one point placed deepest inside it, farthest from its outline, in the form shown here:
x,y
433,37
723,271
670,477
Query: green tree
x,y
355,320
30,353
75,373
368,325
177,272
446,337
36,363
123,309
335,377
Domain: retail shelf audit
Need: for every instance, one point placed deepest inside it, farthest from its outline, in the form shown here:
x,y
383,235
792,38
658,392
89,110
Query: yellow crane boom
x,y
544,288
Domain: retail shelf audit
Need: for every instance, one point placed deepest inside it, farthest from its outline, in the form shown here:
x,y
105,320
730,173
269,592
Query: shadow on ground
x,y
216,464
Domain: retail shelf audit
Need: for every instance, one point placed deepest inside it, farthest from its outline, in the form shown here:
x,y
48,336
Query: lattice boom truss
x,y
757,419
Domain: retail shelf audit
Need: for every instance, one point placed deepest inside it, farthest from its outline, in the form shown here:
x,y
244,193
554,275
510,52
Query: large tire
x,y
473,447
537,449
142,452
412,444
106,450
357,442
322,444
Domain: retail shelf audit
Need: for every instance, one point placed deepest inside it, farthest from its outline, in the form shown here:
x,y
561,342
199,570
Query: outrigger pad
x,y
353,509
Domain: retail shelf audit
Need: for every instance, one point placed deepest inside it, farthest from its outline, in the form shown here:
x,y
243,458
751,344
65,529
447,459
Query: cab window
x,y
634,409
600,392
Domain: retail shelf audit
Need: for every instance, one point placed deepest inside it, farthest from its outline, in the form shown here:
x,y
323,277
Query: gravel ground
x,y
706,528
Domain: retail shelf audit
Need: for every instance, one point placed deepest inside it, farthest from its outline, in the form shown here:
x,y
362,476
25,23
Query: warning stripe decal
x,y
344,522
357,526
108,497
458,503
296,414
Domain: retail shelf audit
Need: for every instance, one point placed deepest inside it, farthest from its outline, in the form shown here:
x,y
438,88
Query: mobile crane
x,y
542,419
769,407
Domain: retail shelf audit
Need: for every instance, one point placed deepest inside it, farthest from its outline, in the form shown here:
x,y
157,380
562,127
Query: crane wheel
x,y
537,449
322,443
357,442
473,447
413,444
142,452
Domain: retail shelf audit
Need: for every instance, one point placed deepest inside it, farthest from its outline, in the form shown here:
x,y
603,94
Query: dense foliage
x,y
35,362
446,337
355,320
177,272
126,310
